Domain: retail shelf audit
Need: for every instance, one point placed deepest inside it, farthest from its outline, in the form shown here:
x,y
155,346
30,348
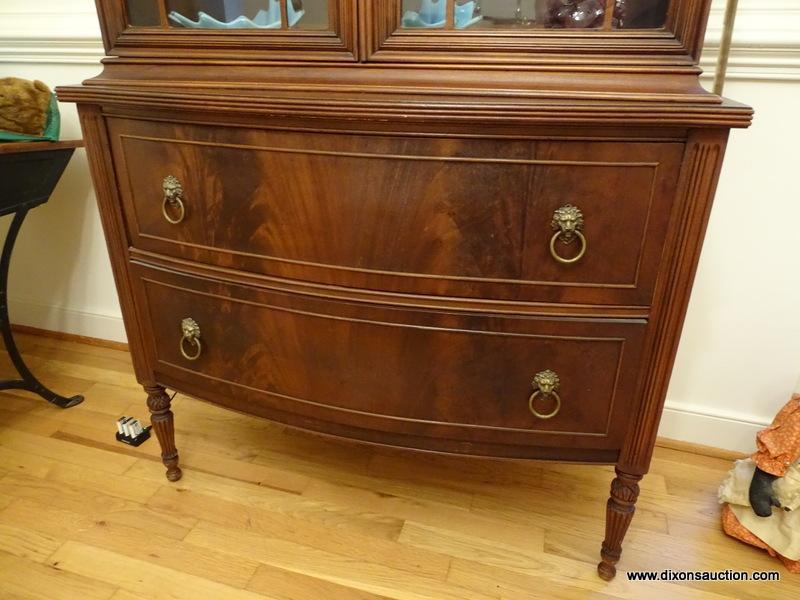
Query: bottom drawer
x,y
422,378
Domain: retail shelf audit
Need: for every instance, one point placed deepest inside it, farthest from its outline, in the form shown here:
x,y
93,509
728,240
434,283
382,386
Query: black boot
x,y
762,496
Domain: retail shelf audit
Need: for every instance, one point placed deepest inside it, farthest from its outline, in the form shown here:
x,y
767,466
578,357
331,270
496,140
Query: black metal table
x,y
29,171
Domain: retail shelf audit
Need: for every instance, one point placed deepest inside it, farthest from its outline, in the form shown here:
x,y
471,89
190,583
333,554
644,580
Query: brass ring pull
x,y
546,384
191,337
568,222
173,198
561,259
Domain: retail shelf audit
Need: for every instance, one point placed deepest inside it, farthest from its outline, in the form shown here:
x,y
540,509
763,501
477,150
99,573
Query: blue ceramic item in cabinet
x,y
432,13
264,19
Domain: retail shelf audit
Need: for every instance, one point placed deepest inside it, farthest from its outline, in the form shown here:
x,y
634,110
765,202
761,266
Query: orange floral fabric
x,y
779,444
732,526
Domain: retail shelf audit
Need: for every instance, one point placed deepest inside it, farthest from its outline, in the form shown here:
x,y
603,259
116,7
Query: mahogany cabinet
x,y
451,225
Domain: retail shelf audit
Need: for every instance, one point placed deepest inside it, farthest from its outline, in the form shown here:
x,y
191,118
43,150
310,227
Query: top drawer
x,y
469,217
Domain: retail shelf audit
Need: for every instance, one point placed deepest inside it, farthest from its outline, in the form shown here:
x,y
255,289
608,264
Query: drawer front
x,y
418,373
445,216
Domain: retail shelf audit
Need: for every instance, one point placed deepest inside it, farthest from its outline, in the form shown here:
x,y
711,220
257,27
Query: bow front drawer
x,y
416,374
526,220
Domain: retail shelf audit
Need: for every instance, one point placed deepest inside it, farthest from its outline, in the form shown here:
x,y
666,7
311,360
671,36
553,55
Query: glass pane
x,y
316,14
504,14
424,13
143,13
549,14
640,14
571,14
496,13
247,14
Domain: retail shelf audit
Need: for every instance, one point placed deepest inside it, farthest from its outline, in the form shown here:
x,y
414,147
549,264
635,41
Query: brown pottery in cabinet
x,y
410,223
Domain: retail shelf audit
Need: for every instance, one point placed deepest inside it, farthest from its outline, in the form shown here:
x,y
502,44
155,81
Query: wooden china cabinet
x,y
455,226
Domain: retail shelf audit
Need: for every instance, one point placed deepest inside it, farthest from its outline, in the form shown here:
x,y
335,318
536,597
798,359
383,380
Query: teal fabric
x,y
52,130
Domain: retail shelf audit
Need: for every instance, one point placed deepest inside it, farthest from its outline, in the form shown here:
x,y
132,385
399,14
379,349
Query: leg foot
x,y
162,420
607,571
619,512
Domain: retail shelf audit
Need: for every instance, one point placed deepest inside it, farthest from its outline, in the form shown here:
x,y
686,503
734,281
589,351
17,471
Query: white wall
x,y
60,275
740,353
739,357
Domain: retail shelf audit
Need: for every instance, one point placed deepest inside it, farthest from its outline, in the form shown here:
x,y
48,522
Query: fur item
x,y
24,105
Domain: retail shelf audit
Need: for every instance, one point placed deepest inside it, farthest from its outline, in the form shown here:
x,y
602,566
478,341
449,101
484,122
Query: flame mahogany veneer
x,y
365,225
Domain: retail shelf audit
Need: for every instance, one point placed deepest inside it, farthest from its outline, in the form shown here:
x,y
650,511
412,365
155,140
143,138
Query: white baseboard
x,y
700,425
67,320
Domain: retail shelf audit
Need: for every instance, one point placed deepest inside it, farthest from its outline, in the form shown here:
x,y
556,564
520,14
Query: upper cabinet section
x,y
607,32
627,32
240,29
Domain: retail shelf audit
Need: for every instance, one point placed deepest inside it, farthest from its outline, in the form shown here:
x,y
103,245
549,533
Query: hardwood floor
x,y
267,512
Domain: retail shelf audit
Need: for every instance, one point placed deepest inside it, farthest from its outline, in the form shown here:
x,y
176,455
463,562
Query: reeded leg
x,y
162,420
619,512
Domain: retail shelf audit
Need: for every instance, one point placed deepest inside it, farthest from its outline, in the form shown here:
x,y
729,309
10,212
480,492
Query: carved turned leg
x,y
162,420
619,512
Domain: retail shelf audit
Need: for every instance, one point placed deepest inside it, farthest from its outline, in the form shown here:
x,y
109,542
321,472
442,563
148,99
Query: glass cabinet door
x,y
533,31
278,29
533,14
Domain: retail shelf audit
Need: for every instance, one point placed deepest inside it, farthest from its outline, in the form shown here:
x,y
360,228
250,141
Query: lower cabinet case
x,y
421,225
476,290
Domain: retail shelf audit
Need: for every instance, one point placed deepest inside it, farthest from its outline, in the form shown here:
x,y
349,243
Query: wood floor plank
x,y
121,486
26,579
114,400
66,370
267,493
25,463
121,594
212,474
81,355
287,585
368,573
57,496
21,542
140,577
334,540
354,478
277,514
150,547
67,384
59,450
37,425
46,519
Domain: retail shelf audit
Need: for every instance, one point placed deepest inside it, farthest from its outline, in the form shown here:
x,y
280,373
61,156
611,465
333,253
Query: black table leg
x,y
27,380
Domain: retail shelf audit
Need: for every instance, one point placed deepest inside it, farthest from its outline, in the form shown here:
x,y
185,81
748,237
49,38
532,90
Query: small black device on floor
x,y
131,432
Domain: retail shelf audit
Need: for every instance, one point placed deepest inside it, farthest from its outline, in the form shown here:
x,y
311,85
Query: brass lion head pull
x,y
173,200
545,383
190,339
568,223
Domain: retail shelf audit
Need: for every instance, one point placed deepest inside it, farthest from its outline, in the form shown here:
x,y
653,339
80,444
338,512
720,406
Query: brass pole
x,y
725,46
